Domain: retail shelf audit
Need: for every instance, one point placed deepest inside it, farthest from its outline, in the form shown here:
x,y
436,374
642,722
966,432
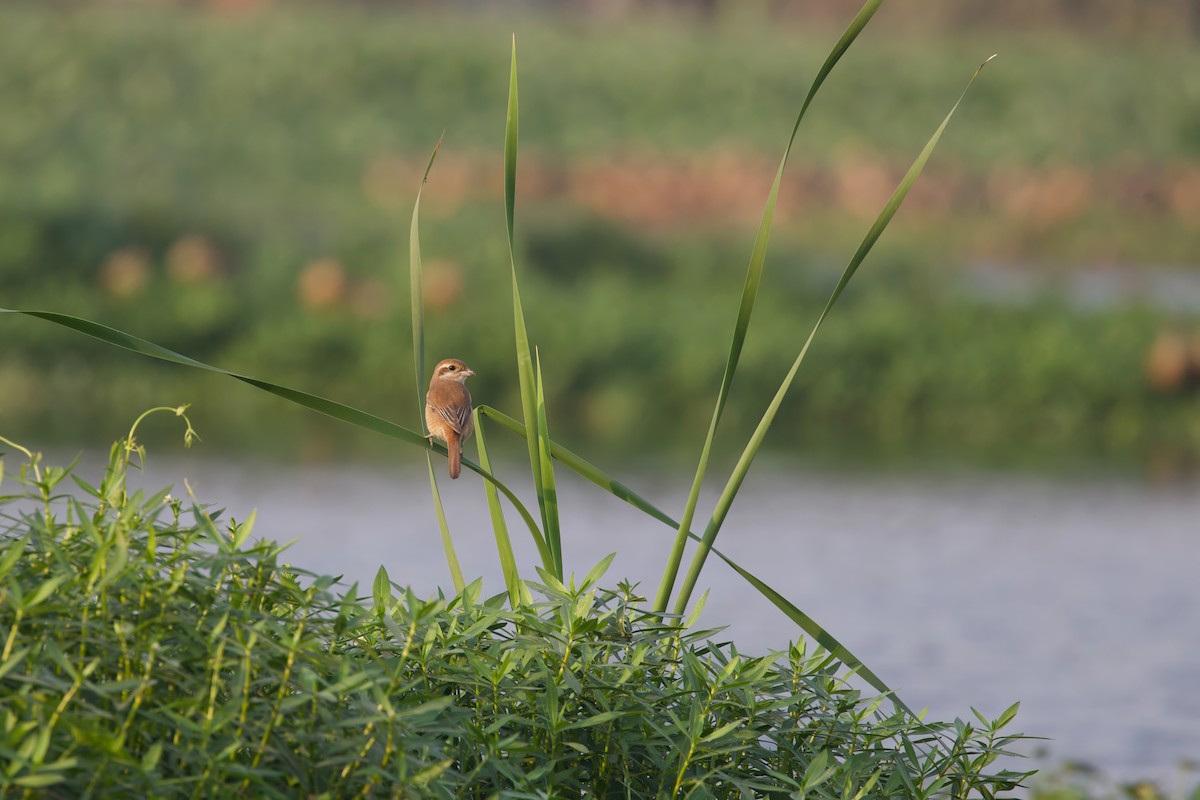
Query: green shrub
x,y
151,649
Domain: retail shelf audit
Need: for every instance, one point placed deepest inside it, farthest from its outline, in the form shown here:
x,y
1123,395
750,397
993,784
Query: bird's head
x,y
452,369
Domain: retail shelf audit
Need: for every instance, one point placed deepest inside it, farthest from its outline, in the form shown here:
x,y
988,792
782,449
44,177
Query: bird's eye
x,y
451,367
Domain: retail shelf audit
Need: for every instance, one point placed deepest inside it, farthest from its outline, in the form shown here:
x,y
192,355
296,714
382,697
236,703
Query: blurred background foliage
x,y
233,180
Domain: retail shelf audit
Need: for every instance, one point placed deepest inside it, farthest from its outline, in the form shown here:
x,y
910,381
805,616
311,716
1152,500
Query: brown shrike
x,y
448,409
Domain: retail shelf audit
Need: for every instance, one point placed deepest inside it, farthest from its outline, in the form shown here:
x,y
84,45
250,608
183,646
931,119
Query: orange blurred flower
x,y
125,272
193,259
322,283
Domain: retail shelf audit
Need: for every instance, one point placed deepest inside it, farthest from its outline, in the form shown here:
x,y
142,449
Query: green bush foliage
x,y
153,649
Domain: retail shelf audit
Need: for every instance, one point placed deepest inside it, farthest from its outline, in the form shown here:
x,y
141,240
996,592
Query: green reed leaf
x,y
760,433
329,408
417,303
525,370
599,477
758,258
547,491
581,466
444,527
819,634
416,289
508,561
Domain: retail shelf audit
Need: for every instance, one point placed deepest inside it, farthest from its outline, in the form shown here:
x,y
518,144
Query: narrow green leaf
x,y
818,771
697,610
760,433
727,728
547,491
551,580
525,373
87,487
508,561
749,294
14,659
596,572
381,589
810,626
447,542
1007,716
330,408
416,291
152,756
598,719
39,780
243,531
114,565
417,302
583,467
45,590
13,550
592,473
431,772
143,347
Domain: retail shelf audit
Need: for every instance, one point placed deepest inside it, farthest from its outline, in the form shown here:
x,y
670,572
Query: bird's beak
x,y
468,372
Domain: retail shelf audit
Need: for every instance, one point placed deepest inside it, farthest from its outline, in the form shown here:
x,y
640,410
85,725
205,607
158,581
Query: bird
x,y
448,409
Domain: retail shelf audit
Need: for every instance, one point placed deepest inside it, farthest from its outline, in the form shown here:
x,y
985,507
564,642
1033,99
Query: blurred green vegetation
x,y
237,187
1074,780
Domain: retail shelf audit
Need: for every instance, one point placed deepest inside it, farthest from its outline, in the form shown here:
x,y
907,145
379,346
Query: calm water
x,y
1080,599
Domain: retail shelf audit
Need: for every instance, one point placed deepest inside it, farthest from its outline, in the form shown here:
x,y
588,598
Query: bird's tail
x,y
454,451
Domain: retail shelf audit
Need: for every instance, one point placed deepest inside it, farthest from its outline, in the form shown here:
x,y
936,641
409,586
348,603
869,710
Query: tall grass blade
x,y
599,477
416,290
417,303
760,433
508,562
511,134
819,634
746,309
330,408
525,372
584,468
447,542
547,490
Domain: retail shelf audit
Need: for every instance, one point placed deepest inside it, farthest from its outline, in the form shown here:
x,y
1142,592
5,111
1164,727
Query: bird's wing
x,y
457,414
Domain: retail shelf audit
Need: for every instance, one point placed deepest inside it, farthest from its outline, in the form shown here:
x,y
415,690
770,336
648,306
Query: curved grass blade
x,y
746,309
416,299
525,372
584,468
547,491
819,634
591,472
330,408
416,291
508,562
447,542
760,433
599,477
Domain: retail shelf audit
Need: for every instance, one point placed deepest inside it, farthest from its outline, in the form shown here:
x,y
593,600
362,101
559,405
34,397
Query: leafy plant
x,y
153,649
